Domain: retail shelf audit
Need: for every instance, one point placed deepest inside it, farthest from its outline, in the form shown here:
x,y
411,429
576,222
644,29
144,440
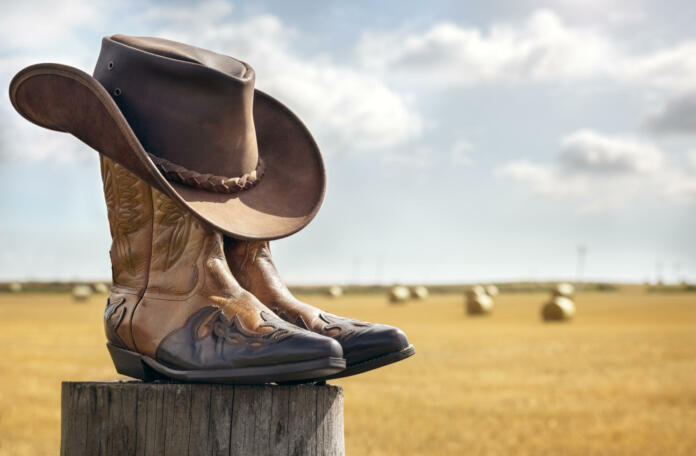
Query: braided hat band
x,y
209,182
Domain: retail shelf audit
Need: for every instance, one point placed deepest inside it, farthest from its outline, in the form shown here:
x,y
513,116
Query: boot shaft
x,y
166,266
252,265
130,213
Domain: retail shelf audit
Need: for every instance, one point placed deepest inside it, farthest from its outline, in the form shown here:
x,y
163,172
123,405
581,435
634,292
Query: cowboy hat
x,y
189,122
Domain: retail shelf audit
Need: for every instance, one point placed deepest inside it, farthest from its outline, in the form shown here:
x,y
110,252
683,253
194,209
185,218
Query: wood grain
x,y
135,418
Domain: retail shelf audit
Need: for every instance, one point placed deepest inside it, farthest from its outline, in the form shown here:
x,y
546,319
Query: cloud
x,y
540,177
672,68
590,152
543,47
31,24
34,144
599,172
676,115
346,108
683,189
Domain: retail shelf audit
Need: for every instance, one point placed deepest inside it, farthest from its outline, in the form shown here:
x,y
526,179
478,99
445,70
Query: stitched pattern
x,y
125,209
346,327
233,331
299,320
209,182
174,227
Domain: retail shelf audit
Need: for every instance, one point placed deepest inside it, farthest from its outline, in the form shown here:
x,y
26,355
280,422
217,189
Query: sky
x,y
464,141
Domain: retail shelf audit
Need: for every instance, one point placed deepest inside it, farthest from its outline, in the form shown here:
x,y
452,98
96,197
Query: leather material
x,y
210,340
179,273
252,265
129,209
159,99
198,114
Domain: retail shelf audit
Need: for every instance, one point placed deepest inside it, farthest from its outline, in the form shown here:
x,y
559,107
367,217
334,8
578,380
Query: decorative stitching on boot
x,y
347,327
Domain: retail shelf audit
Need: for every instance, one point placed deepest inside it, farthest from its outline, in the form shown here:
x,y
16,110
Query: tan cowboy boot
x,y
175,309
366,346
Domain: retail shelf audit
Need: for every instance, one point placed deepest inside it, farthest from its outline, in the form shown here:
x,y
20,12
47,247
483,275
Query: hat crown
x,y
189,106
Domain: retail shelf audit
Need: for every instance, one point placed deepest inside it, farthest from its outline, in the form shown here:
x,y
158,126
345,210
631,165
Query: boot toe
x,y
305,346
377,340
314,346
335,349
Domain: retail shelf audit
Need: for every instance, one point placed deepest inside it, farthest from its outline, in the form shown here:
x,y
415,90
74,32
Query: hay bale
x,y
399,294
478,302
335,291
559,308
491,290
419,292
477,290
15,287
564,290
100,288
81,292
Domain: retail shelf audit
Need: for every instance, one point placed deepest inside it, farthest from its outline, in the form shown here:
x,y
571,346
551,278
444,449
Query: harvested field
x,y
619,379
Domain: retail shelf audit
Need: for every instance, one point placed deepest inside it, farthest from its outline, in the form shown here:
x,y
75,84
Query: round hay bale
x,y
81,292
476,290
335,291
100,288
15,287
491,290
559,308
399,294
564,289
478,304
419,292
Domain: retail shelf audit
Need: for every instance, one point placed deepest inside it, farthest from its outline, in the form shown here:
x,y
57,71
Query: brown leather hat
x,y
190,123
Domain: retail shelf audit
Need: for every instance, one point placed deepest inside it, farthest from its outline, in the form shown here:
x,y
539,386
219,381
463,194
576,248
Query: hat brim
x,y
287,198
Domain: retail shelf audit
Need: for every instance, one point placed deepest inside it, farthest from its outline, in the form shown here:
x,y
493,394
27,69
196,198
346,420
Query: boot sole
x,y
374,363
147,369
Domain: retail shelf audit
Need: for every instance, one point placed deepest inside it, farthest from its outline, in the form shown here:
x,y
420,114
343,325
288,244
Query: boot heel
x,y
131,364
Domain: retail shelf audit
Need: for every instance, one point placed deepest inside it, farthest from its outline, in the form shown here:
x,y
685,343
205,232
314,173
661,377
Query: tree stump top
x,y
168,418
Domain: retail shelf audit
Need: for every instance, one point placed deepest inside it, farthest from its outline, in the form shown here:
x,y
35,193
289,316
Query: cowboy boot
x,y
366,346
175,310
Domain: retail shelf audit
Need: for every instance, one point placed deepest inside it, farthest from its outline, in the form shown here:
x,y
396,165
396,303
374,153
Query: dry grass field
x,y
619,380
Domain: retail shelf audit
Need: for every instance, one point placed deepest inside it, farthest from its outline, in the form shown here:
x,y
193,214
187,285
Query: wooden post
x,y
136,418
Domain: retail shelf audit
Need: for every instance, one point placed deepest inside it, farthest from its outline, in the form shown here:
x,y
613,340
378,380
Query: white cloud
x,y
600,172
197,16
31,24
587,193
35,31
672,68
22,142
540,177
682,189
346,108
542,47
